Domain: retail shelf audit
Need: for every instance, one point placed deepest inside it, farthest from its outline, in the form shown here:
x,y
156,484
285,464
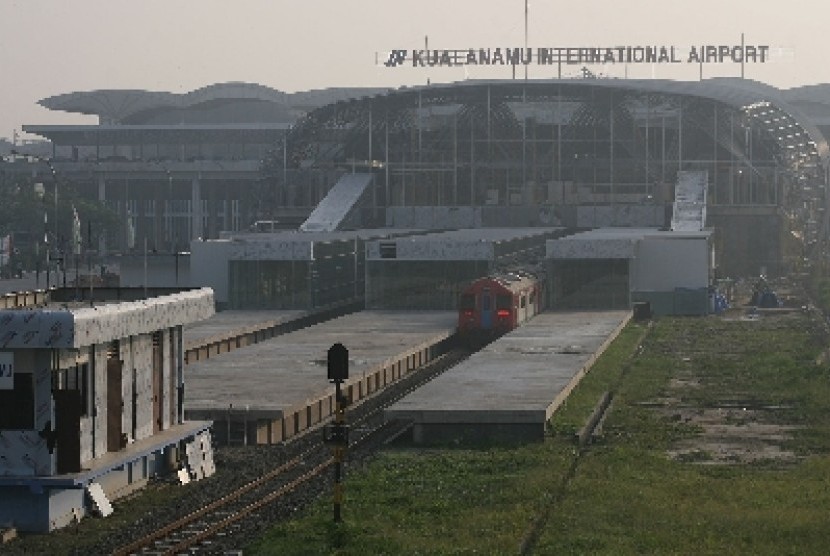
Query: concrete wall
x,y
163,270
169,374
43,512
137,387
268,247
209,261
636,216
663,264
94,325
438,249
25,452
750,240
442,218
596,248
100,400
682,301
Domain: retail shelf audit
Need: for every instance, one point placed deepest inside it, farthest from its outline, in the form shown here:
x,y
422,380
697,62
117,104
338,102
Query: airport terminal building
x,y
582,153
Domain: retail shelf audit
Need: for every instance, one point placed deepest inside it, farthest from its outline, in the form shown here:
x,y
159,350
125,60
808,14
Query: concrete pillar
x,y
196,208
102,197
158,218
171,458
212,230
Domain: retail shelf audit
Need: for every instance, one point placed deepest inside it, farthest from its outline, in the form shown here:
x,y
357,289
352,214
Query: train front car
x,y
494,305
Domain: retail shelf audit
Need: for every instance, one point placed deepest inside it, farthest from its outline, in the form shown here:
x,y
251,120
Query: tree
x,y
30,215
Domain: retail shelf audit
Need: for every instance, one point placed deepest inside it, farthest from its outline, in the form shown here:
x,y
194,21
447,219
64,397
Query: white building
x,y
89,397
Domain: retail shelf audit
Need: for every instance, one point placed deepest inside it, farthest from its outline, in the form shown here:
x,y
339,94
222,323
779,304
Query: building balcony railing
x,y
155,167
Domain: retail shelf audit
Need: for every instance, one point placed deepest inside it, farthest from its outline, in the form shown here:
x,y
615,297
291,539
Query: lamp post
x,y
58,261
169,223
46,244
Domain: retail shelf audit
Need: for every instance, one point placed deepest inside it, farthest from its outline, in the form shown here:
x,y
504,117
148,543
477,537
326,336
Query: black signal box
x,y
338,363
336,434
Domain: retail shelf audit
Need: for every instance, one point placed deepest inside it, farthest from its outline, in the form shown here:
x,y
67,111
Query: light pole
x,y
46,244
58,261
169,223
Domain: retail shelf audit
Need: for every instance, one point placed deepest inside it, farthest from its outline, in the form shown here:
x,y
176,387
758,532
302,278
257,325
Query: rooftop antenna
x,y
526,38
743,57
426,50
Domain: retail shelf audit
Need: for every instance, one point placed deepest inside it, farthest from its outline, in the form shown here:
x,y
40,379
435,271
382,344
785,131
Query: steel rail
x,y
428,372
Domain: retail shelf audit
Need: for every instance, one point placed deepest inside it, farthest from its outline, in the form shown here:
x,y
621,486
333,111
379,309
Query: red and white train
x,y
493,305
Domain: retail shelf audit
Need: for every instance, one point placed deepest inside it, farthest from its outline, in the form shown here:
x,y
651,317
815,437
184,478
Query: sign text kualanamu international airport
x,y
703,54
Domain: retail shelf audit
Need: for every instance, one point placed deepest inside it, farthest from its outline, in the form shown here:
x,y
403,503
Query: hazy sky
x,y
49,47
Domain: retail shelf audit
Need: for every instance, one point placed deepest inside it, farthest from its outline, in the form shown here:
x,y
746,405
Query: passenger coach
x,y
494,305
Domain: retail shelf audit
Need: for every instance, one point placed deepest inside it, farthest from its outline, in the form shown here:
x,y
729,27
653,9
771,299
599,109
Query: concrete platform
x,y
109,461
275,389
229,330
510,389
226,324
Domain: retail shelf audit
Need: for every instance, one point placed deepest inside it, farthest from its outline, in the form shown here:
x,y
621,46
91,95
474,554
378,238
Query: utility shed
x,y
429,271
91,396
612,268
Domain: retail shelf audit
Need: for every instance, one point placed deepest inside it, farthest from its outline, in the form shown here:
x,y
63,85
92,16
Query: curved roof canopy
x,y
135,106
113,105
741,94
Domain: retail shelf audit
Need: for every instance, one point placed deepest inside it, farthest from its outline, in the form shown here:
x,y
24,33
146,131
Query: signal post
x,y
337,434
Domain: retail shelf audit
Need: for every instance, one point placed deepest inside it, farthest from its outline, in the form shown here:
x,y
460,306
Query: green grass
x,y
434,502
629,498
625,495
627,502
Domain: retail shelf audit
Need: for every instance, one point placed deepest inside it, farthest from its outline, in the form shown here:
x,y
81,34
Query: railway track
x,y
223,522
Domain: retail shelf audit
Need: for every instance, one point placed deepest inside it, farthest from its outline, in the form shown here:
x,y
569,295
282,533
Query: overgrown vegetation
x,y
820,286
626,494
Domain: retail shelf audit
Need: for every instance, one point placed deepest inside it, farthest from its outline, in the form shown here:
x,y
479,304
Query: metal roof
x,y
117,105
735,92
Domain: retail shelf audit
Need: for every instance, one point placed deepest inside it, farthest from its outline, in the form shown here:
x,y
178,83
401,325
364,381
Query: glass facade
x,y
420,285
589,284
269,284
542,144
582,142
335,274
514,143
436,284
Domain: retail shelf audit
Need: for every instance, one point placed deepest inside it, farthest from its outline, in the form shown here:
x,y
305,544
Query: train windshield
x,y
503,302
468,302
